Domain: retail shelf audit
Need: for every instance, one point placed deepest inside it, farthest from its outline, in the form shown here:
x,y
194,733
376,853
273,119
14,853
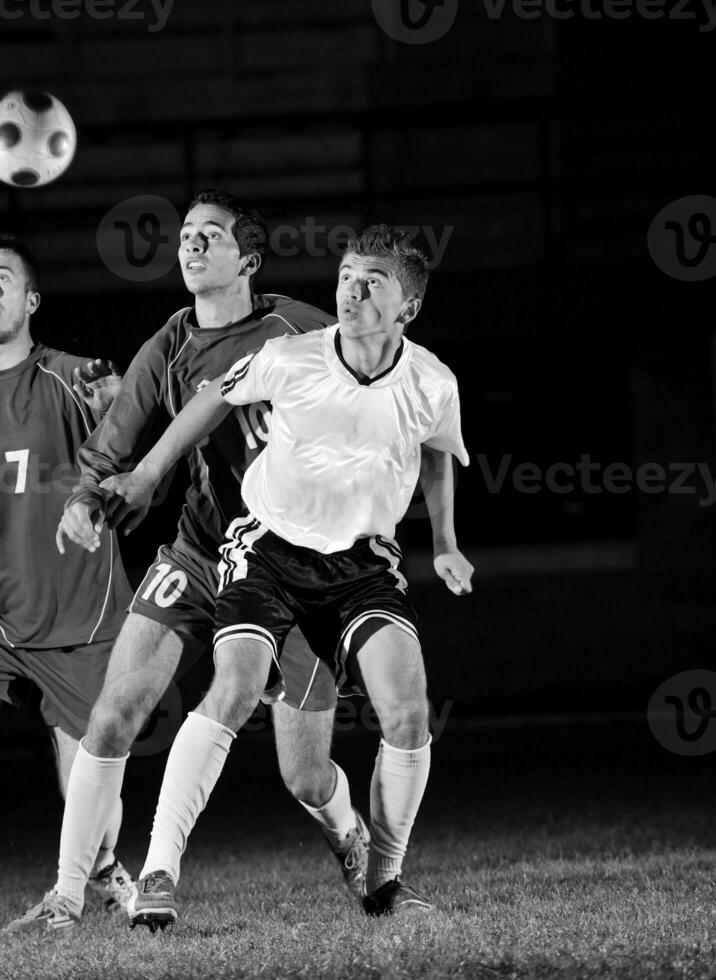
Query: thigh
x,y
391,666
144,659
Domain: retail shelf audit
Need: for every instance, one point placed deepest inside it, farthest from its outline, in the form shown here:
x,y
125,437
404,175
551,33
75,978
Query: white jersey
x,y
343,455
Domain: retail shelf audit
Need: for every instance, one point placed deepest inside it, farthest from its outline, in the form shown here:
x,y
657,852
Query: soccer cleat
x,y
52,915
152,903
352,852
113,885
394,898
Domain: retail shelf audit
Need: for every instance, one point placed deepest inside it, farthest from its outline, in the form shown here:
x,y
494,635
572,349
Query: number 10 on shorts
x,y
166,585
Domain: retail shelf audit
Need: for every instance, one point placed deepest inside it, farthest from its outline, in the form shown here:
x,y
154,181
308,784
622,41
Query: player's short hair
x,y
249,228
409,263
11,243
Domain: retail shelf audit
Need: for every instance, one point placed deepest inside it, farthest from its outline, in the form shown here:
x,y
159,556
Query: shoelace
x,y
151,883
354,852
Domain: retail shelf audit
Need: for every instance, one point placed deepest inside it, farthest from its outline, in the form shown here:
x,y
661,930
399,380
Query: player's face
x,y
17,301
370,298
208,252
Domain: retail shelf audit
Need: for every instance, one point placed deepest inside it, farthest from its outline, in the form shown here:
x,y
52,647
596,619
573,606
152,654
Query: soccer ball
x,y
37,139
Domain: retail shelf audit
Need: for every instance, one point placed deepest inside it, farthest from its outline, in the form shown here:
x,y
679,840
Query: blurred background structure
x,y
533,156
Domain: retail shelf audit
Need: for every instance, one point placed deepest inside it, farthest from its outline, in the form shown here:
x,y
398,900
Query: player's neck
x,y
15,351
214,311
369,356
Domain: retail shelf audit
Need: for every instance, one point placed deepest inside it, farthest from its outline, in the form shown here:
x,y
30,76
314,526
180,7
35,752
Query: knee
x,y
313,785
405,724
114,724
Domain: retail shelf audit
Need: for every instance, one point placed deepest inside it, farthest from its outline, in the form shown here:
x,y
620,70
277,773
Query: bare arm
x,y
436,480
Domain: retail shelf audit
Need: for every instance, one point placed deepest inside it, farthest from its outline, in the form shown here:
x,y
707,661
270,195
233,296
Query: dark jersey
x,y
169,369
47,600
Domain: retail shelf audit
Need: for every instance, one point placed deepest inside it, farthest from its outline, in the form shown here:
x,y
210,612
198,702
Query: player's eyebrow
x,y
7,268
368,272
204,224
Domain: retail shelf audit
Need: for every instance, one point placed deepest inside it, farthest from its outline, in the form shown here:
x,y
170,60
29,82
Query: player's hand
x,y
455,571
82,523
131,498
97,382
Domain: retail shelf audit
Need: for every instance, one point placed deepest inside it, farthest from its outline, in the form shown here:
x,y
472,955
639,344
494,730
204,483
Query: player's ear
x,y
410,311
32,301
252,264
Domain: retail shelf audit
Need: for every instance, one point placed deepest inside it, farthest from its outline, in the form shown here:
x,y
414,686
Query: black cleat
x,y
394,898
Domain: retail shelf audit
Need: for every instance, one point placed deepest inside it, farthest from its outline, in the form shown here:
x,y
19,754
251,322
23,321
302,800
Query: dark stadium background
x,y
546,147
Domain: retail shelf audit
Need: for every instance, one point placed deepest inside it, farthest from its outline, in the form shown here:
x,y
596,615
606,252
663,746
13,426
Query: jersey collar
x,y
338,364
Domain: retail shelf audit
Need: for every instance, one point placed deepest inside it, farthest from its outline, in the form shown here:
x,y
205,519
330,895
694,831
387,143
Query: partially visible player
x,y
58,618
222,246
353,407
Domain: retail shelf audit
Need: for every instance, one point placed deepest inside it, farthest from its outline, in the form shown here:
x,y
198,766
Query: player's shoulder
x,y
57,363
428,365
165,342
298,317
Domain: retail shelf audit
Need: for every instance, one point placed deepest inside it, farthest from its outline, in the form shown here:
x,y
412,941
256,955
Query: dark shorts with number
x,y
67,680
339,600
179,591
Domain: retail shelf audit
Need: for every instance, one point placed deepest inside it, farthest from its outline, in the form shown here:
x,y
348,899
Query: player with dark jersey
x,y
58,617
222,245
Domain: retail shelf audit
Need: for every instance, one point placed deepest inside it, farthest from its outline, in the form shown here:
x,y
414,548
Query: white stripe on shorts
x,y
391,553
241,536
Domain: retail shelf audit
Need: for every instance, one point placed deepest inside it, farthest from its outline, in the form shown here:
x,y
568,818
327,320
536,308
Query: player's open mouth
x,y
194,267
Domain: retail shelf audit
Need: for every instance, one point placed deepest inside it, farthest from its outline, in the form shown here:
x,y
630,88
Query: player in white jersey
x,y
352,407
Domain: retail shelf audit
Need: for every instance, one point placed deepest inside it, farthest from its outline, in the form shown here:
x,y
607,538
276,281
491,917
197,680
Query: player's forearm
x,y
437,484
200,417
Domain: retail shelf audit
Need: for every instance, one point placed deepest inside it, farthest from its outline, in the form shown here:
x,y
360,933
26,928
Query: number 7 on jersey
x,y
21,457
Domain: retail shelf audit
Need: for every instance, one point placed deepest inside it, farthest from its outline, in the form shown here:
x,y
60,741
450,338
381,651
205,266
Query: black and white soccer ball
x,y
37,139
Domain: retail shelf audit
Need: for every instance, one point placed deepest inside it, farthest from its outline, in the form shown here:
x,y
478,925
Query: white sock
x,y
397,787
106,855
92,793
336,815
193,767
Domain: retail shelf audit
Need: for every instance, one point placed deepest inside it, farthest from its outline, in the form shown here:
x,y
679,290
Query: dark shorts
x,y
179,591
339,600
69,681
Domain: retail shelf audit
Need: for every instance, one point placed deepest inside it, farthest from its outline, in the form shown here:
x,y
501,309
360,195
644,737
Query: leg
x,y
303,745
394,676
200,749
143,662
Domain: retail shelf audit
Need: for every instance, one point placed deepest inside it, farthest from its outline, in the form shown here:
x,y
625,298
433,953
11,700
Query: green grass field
x,y
549,852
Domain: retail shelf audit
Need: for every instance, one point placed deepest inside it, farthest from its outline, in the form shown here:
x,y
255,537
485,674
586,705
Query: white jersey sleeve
x,y
446,436
253,378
